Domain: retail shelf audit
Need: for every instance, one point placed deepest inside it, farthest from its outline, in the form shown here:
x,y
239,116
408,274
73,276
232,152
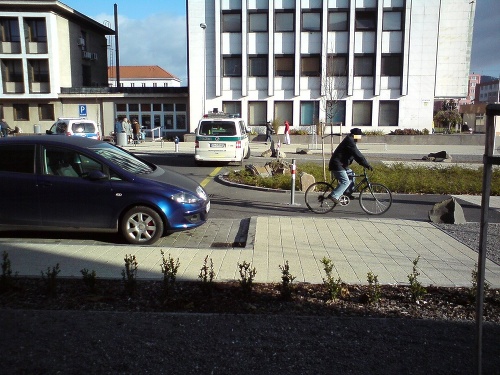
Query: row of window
x,y
167,116
311,20
35,29
388,112
12,70
310,65
22,112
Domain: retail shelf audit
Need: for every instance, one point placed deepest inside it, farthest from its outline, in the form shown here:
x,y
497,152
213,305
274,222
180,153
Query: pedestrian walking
x,y
269,132
287,132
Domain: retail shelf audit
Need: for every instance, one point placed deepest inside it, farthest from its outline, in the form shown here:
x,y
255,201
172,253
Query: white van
x,y
75,126
221,137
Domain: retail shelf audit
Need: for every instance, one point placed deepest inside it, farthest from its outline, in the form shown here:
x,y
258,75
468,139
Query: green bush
x,y
399,178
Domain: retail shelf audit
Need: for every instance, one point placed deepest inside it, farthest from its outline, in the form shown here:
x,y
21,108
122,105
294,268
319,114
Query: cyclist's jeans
x,y
345,183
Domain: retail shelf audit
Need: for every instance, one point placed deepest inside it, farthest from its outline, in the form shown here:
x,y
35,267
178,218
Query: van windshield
x,y
214,127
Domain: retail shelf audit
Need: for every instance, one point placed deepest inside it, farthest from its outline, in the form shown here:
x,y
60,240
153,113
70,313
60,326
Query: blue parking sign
x,y
82,109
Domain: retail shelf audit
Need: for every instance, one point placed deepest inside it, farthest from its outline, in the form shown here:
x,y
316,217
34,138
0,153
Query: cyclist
x,y
342,157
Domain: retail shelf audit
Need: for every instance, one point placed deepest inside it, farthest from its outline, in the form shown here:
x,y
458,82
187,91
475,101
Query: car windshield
x,y
121,158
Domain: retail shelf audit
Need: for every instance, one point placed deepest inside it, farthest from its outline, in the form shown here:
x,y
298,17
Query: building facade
x,y
375,64
45,46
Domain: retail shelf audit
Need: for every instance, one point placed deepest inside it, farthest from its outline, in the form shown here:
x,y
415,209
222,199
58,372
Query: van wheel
x,y
141,225
248,153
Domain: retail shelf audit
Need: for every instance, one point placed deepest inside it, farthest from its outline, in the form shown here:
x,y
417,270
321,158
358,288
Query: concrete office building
x,y
375,64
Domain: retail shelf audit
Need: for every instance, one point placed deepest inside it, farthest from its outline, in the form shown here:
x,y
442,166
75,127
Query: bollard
x,y
176,141
161,143
292,201
278,146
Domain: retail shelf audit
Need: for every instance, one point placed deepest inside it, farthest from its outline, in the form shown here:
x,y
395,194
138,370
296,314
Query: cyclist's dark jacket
x,y
345,153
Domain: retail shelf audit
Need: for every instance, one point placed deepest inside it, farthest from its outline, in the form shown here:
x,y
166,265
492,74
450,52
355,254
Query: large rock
x,y
306,180
448,211
441,156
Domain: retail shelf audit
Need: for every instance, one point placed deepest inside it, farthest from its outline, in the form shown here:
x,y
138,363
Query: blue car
x,y
81,184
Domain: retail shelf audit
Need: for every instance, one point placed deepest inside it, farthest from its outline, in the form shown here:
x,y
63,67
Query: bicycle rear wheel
x,y
375,199
316,198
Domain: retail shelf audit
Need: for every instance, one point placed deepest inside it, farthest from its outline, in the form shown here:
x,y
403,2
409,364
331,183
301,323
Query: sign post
x,y
82,110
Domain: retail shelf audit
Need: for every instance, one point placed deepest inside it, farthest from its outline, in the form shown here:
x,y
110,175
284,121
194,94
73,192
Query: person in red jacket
x,y
287,132
343,156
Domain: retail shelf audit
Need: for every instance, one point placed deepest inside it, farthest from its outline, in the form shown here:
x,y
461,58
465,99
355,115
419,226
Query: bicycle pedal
x,y
344,200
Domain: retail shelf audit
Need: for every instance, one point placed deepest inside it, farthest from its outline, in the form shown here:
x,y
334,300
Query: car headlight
x,y
201,193
185,198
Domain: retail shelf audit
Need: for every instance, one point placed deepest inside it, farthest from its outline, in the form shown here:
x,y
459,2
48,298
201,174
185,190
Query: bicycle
x,y
374,198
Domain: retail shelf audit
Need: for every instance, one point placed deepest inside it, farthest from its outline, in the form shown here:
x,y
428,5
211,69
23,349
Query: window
x,y
9,30
309,113
13,70
388,113
232,108
283,111
366,20
257,113
155,84
337,65
143,84
311,21
121,107
231,66
180,107
133,107
180,121
335,111
37,32
310,66
17,158
257,66
283,22
392,21
363,65
21,112
46,112
284,66
391,65
257,22
231,22
38,70
361,113
338,21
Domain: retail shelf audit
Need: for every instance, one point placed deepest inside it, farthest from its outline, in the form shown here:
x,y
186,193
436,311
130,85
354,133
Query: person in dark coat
x,y
343,156
269,132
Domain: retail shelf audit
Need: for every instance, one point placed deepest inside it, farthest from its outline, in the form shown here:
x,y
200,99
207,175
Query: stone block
x,y
448,211
306,180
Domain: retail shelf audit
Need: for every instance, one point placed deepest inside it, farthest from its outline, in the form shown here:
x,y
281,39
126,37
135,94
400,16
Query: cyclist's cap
x,y
357,133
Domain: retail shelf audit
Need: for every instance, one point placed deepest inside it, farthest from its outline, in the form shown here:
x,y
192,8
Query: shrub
x,y
89,279
417,291
247,275
287,278
169,269
129,274
50,280
207,276
335,287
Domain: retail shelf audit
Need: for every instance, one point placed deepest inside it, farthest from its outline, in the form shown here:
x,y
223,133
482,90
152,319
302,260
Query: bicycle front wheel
x,y
375,199
316,198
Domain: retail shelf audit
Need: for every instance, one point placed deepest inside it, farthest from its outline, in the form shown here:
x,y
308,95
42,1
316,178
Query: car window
x,y
83,127
59,128
62,162
122,159
17,158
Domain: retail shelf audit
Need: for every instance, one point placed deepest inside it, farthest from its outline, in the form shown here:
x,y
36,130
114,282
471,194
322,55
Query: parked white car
x,y
75,126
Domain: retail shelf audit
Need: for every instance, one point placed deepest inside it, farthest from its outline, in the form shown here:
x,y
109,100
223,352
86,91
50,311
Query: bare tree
x,y
333,91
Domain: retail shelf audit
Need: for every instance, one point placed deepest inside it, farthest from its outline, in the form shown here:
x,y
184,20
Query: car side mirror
x,y
49,132
96,175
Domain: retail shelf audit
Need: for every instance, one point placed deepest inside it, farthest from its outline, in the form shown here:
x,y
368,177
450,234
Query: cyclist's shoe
x,y
350,196
335,200
321,198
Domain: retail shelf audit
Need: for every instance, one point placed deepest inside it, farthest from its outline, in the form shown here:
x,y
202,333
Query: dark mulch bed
x,y
456,304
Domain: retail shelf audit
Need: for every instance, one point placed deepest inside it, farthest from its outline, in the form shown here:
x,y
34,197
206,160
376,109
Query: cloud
x,y
159,39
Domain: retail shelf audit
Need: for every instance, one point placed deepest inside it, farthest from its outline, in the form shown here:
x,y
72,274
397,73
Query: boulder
x,y
441,156
306,180
448,211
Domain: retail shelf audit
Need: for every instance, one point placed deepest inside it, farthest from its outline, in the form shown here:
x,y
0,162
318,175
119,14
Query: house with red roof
x,y
142,76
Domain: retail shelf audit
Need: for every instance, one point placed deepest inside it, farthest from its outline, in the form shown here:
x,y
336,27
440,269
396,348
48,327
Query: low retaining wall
x,y
431,139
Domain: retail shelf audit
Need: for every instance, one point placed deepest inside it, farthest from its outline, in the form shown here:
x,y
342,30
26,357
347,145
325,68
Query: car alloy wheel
x,y
141,225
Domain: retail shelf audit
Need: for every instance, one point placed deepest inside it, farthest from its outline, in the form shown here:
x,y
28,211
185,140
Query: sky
x,y
165,20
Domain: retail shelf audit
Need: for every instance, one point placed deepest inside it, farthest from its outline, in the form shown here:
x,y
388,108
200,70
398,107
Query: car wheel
x,y
141,226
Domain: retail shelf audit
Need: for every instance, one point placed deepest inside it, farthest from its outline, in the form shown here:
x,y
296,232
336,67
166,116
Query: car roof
x,y
52,140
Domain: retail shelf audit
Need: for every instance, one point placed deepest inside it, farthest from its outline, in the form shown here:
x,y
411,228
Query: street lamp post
x,y
204,27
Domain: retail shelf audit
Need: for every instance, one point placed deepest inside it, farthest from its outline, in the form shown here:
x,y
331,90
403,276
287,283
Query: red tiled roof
x,y
152,71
